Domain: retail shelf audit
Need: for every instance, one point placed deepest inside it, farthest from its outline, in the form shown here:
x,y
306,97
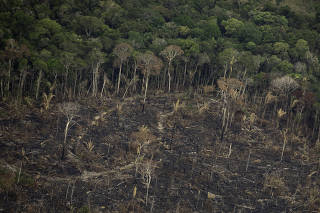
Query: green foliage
x,y
250,32
184,20
40,65
158,44
284,67
184,31
267,18
190,47
136,39
270,34
211,28
54,66
227,55
113,14
251,46
302,47
249,62
84,209
74,36
233,27
281,49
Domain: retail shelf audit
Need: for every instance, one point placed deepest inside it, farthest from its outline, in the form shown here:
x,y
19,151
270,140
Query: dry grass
x,y
275,184
281,113
89,145
46,100
178,105
270,98
203,107
208,89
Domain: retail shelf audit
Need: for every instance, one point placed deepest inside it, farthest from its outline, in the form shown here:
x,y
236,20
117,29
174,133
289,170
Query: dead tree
x,y
232,94
283,87
147,172
170,53
70,111
150,65
122,51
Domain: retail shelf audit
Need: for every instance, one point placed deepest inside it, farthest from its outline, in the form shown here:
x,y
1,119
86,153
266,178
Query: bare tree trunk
x,y
199,77
164,79
38,84
66,129
318,137
119,77
9,75
75,85
176,76
192,75
184,74
95,79
225,70
105,78
2,89
21,82
79,76
169,79
169,76
134,74
145,91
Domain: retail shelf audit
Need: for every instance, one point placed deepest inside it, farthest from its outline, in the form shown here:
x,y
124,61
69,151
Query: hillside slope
x,y
169,158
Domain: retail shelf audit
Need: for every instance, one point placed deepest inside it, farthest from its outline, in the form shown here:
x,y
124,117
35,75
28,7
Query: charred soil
x,y
168,157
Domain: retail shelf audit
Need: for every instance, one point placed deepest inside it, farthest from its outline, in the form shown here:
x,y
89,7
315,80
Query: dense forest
x,y
260,58
95,46
70,49
101,47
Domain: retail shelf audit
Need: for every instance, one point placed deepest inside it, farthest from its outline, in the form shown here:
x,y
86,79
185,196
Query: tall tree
x,y
67,60
227,58
170,53
41,66
122,51
12,52
90,25
97,57
150,65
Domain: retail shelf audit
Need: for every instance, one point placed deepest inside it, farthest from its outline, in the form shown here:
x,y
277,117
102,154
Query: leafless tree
x,y
300,67
170,53
122,51
11,52
97,57
142,143
147,171
106,83
150,65
284,85
203,58
70,111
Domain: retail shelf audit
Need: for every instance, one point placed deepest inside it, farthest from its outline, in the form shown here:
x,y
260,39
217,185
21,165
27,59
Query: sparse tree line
x,y
66,50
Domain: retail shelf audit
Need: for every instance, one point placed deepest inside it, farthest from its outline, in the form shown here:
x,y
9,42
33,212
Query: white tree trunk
x,y
38,84
119,78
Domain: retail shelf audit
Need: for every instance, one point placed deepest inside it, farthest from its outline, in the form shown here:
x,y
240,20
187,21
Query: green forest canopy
x,y
68,46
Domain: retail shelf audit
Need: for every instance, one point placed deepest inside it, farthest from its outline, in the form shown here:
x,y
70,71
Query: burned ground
x,y
115,149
